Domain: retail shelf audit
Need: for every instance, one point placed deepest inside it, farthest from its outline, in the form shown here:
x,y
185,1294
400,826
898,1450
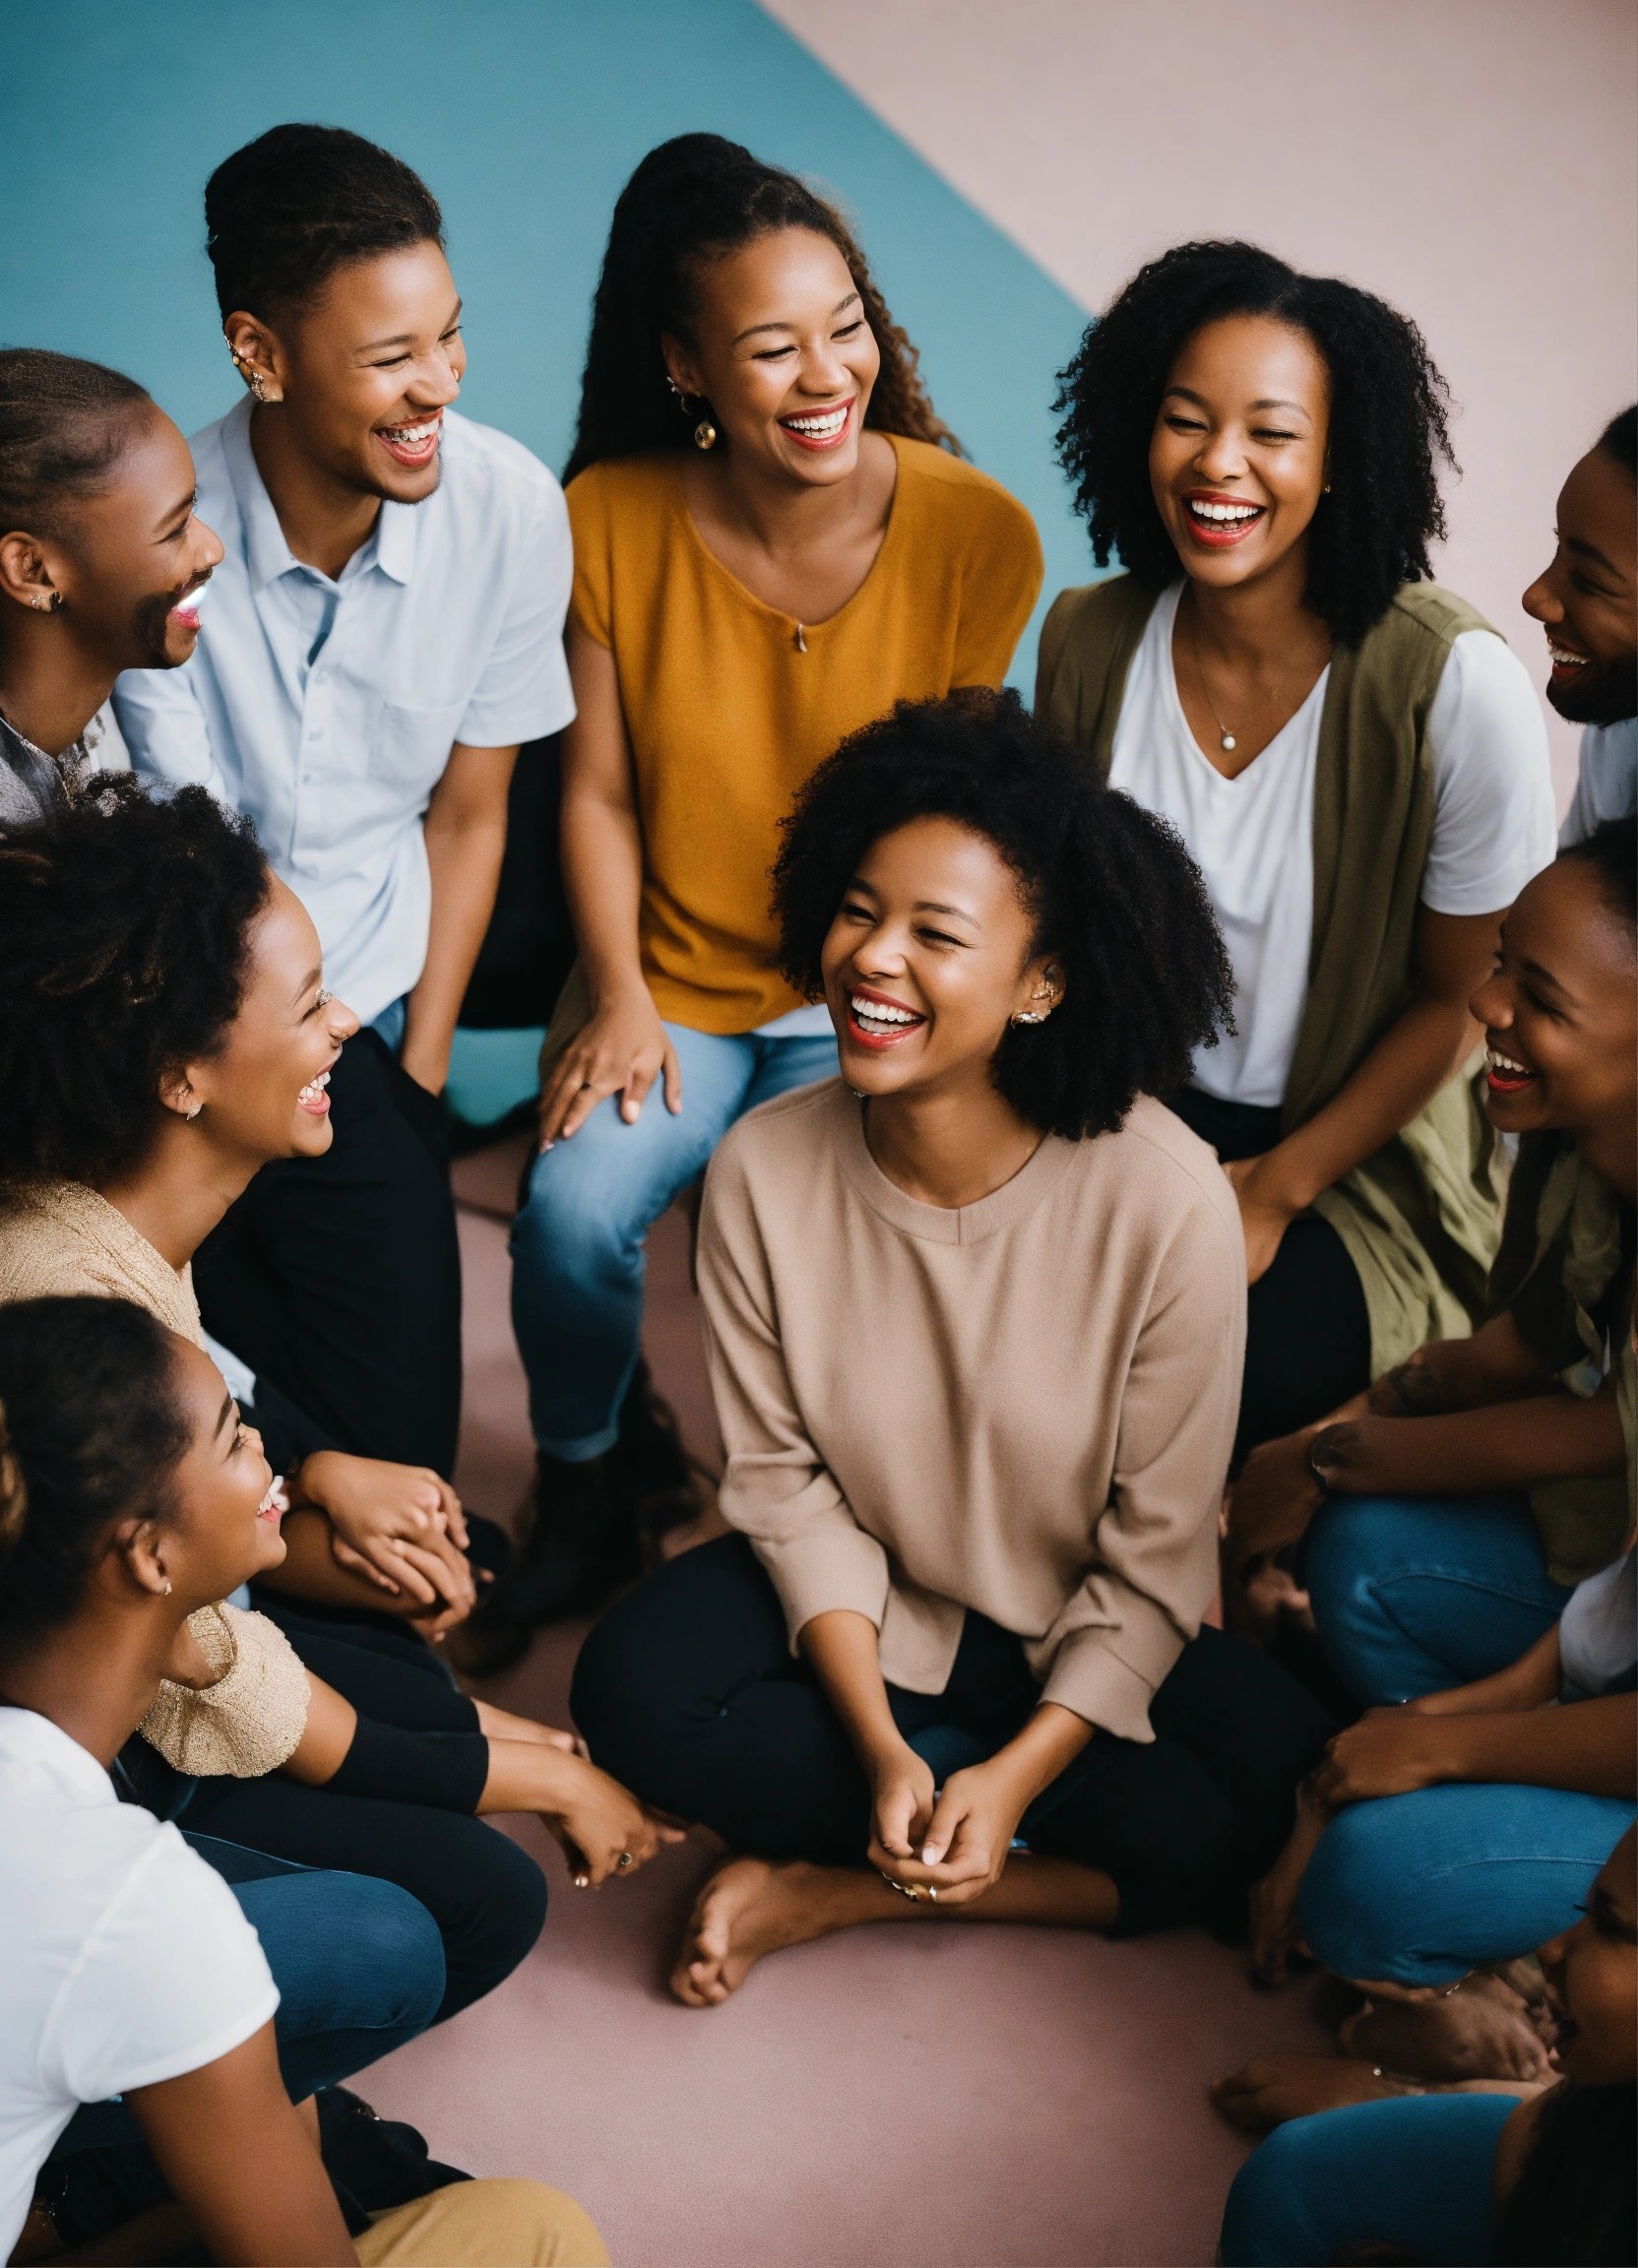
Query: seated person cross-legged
x,y
1465,2178
145,1100
130,1499
1443,1515
975,1316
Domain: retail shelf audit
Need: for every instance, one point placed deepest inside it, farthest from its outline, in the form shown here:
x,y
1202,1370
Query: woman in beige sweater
x,y
975,1316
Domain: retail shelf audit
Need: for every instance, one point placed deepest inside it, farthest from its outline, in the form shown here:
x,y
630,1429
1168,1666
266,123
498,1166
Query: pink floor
x,y
967,2096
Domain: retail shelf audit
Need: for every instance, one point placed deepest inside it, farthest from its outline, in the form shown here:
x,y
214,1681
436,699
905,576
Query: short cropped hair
x,y
290,208
63,424
125,928
1388,425
1116,901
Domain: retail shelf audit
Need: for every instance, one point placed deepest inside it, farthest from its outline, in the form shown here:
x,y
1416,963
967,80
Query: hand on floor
x,y
1272,2089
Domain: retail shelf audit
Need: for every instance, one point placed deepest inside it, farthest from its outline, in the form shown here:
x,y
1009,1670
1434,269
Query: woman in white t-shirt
x,y
131,1495
1356,762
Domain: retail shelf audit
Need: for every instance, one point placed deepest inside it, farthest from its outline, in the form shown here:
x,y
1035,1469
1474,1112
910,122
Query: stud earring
x,y
1030,1016
167,1586
49,599
191,1116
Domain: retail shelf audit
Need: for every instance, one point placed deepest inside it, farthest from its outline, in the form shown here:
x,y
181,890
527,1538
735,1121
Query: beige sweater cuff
x,y
1089,1678
837,1565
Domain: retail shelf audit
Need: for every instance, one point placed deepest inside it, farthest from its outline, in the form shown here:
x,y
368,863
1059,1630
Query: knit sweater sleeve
x,y
1155,1564
777,1489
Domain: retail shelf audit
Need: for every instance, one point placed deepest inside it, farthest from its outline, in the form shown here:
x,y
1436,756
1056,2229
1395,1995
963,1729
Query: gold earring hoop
x,y
704,432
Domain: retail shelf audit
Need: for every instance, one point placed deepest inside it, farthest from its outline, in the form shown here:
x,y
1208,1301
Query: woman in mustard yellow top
x,y
775,541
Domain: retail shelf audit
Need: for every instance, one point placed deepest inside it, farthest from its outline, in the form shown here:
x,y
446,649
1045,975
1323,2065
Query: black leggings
x,y
339,1277
687,1690
488,1896
1307,1335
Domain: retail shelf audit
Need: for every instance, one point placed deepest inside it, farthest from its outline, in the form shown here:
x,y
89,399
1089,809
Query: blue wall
x,y
525,116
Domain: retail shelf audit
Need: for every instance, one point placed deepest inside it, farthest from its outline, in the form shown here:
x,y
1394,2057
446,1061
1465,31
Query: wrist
x,y
1282,1183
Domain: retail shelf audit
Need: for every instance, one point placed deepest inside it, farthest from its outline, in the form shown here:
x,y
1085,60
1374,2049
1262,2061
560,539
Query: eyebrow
x,y
957,912
226,1414
752,331
1585,551
313,977
182,511
1188,394
407,338
1546,977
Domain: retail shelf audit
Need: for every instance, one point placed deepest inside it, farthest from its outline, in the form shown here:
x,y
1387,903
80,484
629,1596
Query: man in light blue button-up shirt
x,y
383,630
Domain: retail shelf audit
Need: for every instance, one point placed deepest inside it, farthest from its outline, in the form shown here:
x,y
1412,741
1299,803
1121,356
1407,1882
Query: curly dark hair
x,y
125,937
1117,901
89,1434
690,200
282,213
63,424
1389,422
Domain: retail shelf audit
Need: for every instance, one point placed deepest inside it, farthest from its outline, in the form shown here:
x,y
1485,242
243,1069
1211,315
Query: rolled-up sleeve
x,y
777,1489
1155,1556
525,692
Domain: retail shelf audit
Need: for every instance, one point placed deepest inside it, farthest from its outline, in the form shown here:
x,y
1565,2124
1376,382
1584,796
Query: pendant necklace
x,y
1226,739
801,638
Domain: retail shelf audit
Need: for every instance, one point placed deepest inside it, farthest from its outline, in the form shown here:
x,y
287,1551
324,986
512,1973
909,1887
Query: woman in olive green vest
x,y
1358,762
1452,1506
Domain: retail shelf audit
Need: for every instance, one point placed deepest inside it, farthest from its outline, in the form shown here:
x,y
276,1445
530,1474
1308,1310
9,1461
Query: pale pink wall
x,y
1474,160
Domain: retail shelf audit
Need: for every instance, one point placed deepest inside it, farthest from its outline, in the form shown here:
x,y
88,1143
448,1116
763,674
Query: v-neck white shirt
x,y
1252,836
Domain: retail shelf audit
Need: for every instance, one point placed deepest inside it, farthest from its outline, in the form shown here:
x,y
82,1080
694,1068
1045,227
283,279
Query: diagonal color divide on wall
x,y
525,116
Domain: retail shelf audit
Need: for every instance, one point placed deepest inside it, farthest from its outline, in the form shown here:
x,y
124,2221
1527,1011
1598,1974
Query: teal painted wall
x,y
525,116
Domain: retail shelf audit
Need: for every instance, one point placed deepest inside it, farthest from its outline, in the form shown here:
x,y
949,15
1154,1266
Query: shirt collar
x,y
391,547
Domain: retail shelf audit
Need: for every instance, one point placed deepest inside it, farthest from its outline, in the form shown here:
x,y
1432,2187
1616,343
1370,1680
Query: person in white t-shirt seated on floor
x,y
1353,757
131,1494
1587,602
383,630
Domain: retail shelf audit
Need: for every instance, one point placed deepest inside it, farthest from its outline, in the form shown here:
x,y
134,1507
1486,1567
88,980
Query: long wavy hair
x,y
690,202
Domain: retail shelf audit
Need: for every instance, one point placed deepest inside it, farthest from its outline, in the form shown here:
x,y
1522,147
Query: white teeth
x,y
819,428
409,436
877,1012
1501,1062
1563,655
315,1088
191,601
1227,512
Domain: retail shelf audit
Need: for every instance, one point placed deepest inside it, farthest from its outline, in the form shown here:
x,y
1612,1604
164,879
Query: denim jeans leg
x,y
1417,1889
1413,1595
578,1262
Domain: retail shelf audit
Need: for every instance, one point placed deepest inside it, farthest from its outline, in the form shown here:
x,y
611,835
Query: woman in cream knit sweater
x,y
161,1040
976,1316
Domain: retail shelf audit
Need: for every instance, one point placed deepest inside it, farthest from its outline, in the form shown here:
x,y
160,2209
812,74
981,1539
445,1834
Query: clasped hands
x,y
953,1840
400,1526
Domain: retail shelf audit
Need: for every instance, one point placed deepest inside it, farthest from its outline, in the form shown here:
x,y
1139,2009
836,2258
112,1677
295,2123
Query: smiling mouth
x,y
1221,520
411,445
819,428
874,1020
1505,1075
275,1504
185,613
313,1098
1564,658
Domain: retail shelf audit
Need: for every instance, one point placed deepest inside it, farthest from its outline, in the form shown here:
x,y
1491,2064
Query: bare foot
x,y
1271,2089
1485,2029
748,1908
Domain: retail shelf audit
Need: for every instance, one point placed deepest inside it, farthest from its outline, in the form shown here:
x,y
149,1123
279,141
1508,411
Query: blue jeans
x,y
359,1963
1413,1595
577,1245
1414,2173
1418,1889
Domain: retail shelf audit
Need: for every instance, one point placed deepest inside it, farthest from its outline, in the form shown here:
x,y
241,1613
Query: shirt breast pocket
x,y
412,744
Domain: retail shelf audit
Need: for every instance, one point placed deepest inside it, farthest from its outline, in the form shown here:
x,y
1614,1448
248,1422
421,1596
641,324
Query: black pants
x,y
687,1690
1307,1337
488,1897
339,1277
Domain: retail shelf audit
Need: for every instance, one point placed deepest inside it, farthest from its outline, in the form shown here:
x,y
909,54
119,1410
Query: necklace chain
x,y
1226,739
